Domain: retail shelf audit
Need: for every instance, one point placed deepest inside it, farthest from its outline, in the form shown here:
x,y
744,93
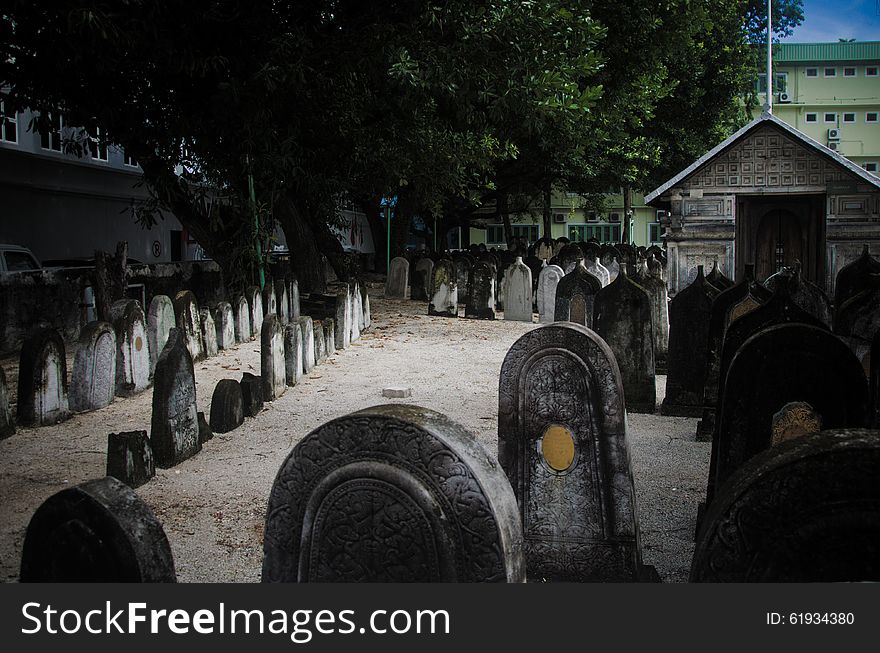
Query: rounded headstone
x,y
93,383
227,406
42,379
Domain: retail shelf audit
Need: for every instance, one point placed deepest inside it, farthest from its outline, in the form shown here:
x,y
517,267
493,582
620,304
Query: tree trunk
x,y
304,254
504,212
548,214
625,236
110,279
119,271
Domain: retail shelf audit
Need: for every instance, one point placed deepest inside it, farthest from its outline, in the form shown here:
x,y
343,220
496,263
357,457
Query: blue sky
x,y
828,21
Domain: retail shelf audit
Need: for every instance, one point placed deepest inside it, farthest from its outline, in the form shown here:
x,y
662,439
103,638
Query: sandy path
x,y
212,506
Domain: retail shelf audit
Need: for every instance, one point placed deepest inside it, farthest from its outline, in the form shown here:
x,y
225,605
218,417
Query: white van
x,y
14,258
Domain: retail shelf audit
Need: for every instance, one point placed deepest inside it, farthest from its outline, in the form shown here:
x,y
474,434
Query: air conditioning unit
x,y
615,217
784,98
559,218
834,134
833,145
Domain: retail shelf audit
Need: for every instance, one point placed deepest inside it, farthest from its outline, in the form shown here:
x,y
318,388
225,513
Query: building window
x,y
98,145
51,139
604,233
780,83
812,72
871,71
8,125
495,233
871,117
654,231
831,72
128,160
830,117
871,166
592,216
849,117
849,71
812,117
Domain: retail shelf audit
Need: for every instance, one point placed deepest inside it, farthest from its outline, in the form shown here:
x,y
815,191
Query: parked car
x,y
15,258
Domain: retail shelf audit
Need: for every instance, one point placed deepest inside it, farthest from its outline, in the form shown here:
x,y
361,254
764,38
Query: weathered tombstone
x,y
354,298
95,532
481,293
130,458
518,292
562,443
209,333
272,369
283,299
548,282
205,432
7,423
622,317
689,314
398,279
343,319
359,306
569,257
329,337
42,379
717,279
598,270
575,296
242,319
365,300
293,353
873,375
794,419
778,365
132,348
535,265
858,318
93,383
308,343
805,511
463,267
422,278
855,277
187,311
293,285
227,406
803,292
255,303
175,426
444,290
270,300
391,494
225,323
160,320
657,292
251,394
320,342
544,249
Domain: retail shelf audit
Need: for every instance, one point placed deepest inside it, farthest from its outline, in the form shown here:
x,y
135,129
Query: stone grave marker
x,y
518,292
270,300
391,493
569,257
93,384
622,317
562,442
803,292
422,278
595,267
130,458
283,299
308,343
805,511
242,319
42,379
293,353
251,394
320,342
132,348
359,305
293,285
463,267
329,337
209,333
575,296
225,323
99,531
481,294
255,304
657,292
855,277
343,319
188,321
227,406
356,308
398,279
160,320
858,318
444,290
793,420
7,423
272,366
368,319
174,433
548,281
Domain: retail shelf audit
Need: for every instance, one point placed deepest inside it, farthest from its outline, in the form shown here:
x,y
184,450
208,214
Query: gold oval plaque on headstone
x,y
138,343
557,445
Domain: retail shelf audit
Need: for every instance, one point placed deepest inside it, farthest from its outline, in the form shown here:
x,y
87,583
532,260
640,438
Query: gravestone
x,y
95,532
132,348
251,394
398,279
575,296
130,458
569,257
272,368
689,313
874,384
160,320
308,343
42,379
444,290
855,277
858,318
93,384
270,301
463,267
780,364
255,304
562,443
187,311
242,319
421,279
610,260
365,299
354,298
805,511
359,304
598,270
518,292
544,249
622,317
7,423
535,265
227,406
391,494
481,292
717,278
794,419
343,319
320,342
548,281
283,299
175,426
293,353
656,289
209,333
205,432
225,323
803,292
329,337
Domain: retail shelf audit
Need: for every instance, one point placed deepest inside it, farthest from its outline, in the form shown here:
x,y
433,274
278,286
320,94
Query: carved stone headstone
x,y
293,353
421,282
518,292
329,337
343,319
368,318
463,267
569,257
93,384
398,279
598,270
444,290
656,289
7,423
622,317
255,303
481,294
320,342
283,299
293,289
562,443
272,368
356,308
42,379
858,318
575,296
209,333
95,532
251,394
805,511
803,292
227,406
717,279
187,311
132,348
242,319
175,426
224,320
160,320
793,420
548,281
308,343
270,300
130,458
855,277
391,494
